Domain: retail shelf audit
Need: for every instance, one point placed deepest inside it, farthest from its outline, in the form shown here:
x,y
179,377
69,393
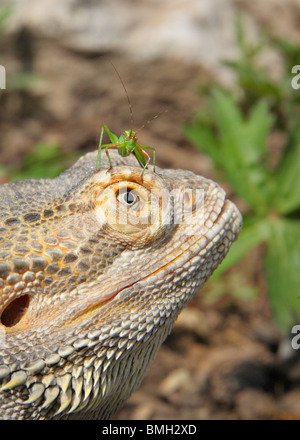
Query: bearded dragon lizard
x,y
95,266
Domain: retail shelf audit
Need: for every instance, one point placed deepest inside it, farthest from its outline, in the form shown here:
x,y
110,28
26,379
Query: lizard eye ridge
x,y
132,211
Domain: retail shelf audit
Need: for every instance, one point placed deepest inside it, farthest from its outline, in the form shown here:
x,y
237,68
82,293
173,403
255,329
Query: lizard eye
x,y
129,198
133,212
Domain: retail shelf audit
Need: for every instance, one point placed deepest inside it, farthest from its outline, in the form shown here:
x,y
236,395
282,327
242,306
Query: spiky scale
x,y
51,395
18,378
36,392
65,401
64,382
4,372
36,366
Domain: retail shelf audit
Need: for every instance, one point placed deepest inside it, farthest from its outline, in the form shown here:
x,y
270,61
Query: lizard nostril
x,y
12,314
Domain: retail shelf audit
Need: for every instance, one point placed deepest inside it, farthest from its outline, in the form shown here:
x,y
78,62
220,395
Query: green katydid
x,y
127,143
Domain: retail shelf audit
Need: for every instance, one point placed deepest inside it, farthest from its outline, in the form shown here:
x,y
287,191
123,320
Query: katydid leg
x,y
113,138
148,148
98,164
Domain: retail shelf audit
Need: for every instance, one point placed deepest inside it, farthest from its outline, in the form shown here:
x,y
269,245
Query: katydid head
x,y
130,135
127,143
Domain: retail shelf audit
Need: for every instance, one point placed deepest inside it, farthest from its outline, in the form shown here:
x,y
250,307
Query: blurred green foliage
x,y
45,160
5,12
234,130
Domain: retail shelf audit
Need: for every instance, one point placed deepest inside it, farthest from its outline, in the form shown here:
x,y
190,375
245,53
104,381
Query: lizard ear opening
x,y
15,310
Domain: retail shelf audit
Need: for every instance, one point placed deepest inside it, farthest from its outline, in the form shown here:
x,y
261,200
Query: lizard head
x,y
94,269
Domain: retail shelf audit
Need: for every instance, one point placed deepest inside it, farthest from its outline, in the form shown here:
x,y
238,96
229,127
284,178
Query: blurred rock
x,y
147,29
176,380
190,30
199,322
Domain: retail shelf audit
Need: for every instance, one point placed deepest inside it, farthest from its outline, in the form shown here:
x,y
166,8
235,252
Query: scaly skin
x,y
87,299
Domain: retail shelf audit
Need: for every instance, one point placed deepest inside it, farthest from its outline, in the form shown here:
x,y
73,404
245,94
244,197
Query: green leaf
x,y
247,50
5,12
282,263
287,196
258,128
244,139
203,138
239,147
21,81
